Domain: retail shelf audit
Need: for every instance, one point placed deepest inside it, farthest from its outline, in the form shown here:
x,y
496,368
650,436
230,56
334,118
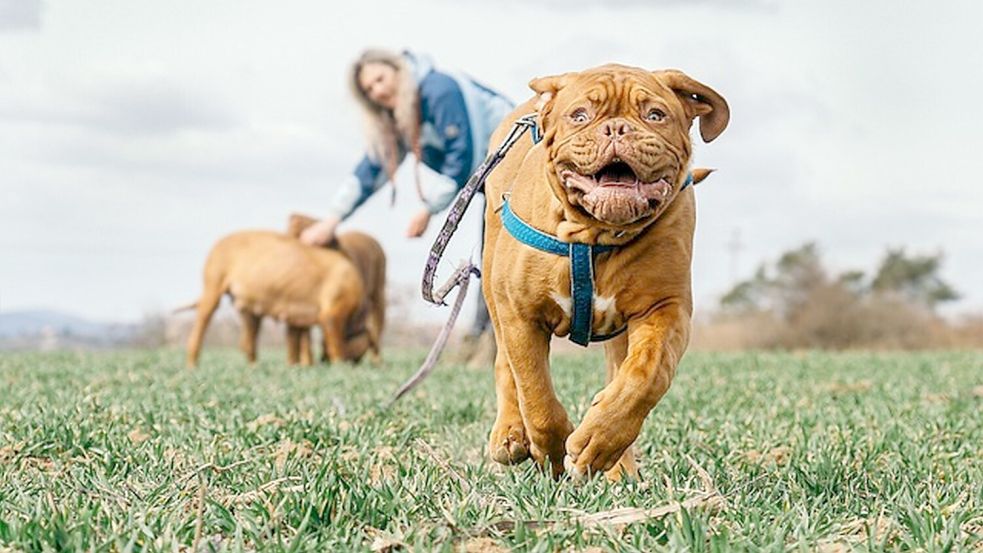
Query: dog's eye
x,y
655,115
580,115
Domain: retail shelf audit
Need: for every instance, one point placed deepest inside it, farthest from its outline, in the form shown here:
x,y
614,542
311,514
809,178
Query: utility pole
x,y
734,247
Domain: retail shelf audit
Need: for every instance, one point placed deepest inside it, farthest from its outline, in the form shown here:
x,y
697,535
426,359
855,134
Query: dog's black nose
x,y
616,128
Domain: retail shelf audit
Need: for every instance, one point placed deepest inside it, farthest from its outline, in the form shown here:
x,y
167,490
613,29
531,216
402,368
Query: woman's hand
x,y
418,224
320,233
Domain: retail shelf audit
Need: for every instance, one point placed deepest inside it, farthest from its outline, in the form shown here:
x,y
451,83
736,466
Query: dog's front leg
x,y
614,420
507,442
545,419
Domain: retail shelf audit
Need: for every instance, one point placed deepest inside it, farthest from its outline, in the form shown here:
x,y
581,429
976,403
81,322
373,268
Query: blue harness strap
x,y
582,292
581,272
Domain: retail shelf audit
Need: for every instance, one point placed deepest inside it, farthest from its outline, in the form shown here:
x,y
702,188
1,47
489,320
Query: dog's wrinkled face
x,y
618,138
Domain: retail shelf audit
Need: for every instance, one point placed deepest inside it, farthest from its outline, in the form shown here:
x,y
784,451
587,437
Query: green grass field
x,y
129,451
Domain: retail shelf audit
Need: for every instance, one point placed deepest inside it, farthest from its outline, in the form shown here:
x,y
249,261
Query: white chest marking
x,y
608,312
565,303
605,307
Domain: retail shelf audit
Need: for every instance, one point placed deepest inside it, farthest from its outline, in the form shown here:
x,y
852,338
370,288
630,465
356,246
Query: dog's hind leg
x,y
304,346
250,333
293,344
206,307
615,351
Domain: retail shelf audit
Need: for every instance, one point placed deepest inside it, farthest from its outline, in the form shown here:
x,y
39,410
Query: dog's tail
x,y
187,307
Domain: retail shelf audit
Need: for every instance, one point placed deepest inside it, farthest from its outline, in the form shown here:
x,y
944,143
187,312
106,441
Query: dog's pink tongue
x,y
617,174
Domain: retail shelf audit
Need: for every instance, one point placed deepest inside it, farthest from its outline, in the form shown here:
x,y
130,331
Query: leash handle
x,y
461,204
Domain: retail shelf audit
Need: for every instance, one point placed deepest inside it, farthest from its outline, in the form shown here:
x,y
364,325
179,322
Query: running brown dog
x,y
272,274
609,170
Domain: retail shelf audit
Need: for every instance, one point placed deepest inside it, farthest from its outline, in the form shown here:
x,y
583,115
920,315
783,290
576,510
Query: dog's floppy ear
x,y
297,223
547,88
699,100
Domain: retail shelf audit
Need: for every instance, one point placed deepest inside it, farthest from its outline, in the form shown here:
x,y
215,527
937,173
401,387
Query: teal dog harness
x,y
581,270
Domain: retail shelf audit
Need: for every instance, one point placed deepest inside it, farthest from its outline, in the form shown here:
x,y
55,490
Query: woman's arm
x,y
354,190
352,193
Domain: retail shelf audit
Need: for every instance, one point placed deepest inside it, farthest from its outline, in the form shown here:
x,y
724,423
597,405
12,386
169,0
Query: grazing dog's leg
x,y
206,307
304,345
527,349
250,331
372,334
293,344
375,323
611,425
334,321
615,351
333,328
374,340
338,306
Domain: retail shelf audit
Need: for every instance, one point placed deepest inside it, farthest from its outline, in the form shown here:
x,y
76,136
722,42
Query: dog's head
x,y
298,223
617,139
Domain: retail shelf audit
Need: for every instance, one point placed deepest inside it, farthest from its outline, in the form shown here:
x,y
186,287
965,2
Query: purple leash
x,y
462,277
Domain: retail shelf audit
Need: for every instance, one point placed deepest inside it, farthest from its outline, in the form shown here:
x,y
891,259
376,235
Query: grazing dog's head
x,y
617,139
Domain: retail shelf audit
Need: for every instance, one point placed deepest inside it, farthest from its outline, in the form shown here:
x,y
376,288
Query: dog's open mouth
x,y
615,194
617,173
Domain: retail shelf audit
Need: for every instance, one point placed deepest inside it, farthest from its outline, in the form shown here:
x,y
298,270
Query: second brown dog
x,y
272,274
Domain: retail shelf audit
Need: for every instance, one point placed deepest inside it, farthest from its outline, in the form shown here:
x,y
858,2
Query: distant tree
x,y
748,294
799,273
914,278
854,282
796,275
796,302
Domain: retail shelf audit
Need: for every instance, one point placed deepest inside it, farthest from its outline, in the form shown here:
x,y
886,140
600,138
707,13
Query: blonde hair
x,y
384,127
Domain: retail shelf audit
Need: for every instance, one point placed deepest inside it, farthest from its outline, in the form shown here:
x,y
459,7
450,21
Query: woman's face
x,y
378,81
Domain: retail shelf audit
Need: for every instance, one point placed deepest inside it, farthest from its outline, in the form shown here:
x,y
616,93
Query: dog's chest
x,y
606,317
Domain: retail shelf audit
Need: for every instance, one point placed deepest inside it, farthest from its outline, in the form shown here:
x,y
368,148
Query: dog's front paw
x,y
601,443
508,443
625,469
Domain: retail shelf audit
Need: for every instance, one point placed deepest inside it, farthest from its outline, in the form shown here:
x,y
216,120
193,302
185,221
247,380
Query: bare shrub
x,y
795,304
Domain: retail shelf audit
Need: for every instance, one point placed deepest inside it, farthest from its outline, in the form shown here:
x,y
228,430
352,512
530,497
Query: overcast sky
x,y
135,133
